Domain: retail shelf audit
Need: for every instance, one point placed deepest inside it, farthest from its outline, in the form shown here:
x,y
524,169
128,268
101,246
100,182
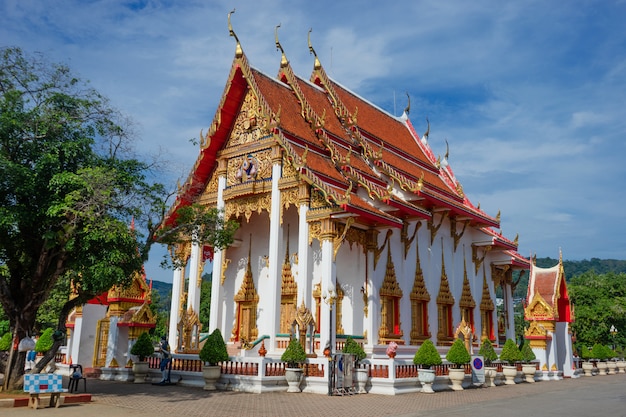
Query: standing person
x,y
166,358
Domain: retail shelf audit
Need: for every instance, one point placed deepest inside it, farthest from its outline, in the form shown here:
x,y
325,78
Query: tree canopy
x,y
70,188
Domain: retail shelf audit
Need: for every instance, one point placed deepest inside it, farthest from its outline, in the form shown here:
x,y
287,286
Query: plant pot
x,y
426,378
509,372
611,368
361,377
529,369
602,367
588,368
293,376
490,376
140,370
456,376
621,366
211,373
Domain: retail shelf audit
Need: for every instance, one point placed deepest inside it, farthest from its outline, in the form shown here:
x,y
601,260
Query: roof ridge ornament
x,y
231,32
407,109
283,58
317,65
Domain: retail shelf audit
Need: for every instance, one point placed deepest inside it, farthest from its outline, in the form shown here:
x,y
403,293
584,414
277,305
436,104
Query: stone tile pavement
x,y
585,396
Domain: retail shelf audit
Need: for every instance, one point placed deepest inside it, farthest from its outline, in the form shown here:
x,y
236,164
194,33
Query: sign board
x,y
478,369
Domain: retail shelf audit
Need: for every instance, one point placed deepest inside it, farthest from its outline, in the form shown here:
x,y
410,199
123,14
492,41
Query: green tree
x,y
70,187
205,300
600,302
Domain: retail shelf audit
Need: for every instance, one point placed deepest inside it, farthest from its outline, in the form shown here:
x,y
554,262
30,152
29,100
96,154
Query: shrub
x,y
510,353
143,347
294,355
5,342
585,353
527,352
458,354
214,349
488,352
598,351
427,355
355,349
45,342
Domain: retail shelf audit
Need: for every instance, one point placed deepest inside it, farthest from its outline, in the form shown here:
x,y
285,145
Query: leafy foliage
x,y
5,342
510,352
70,187
527,352
599,352
488,352
214,349
143,347
458,354
45,341
600,302
427,355
353,348
294,355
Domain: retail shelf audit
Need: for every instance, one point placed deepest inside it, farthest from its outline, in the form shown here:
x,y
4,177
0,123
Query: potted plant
x,y
213,352
528,367
425,357
295,356
585,354
510,354
458,356
599,352
45,341
489,356
142,348
361,374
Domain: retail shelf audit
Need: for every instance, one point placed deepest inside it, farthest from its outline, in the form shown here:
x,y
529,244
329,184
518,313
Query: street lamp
x,y
613,332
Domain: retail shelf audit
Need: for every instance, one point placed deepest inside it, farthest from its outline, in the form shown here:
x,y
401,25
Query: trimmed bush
x,y
510,352
427,355
294,355
143,347
458,354
214,349
585,353
598,352
527,352
45,342
353,348
488,352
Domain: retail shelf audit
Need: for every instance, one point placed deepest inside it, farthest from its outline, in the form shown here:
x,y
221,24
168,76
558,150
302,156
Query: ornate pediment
x,y
539,309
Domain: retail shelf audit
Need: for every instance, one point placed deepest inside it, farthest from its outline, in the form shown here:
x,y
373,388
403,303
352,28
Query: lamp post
x,y
329,298
613,332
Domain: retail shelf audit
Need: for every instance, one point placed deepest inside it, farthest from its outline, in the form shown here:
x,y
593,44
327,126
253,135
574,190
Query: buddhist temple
x,y
350,225
550,313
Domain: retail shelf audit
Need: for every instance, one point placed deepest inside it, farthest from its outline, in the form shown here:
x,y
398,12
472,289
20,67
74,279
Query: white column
x,y
329,293
274,284
508,304
193,293
216,287
112,341
370,323
177,283
304,283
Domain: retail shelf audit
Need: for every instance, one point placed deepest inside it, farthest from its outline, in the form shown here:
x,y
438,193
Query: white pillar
x,y
370,323
329,291
193,293
274,284
177,284
216,285
510,312
304,283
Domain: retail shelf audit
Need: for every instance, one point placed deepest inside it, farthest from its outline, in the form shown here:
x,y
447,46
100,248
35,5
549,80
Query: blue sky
x,y
530,95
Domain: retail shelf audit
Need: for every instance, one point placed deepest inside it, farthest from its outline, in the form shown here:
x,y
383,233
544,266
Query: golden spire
x,y
283,58
317,65
238,50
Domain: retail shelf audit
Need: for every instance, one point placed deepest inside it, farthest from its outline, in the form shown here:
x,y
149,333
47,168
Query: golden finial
x,y
407,110
283,58
498,216
516,240
425,135
238,50
317,65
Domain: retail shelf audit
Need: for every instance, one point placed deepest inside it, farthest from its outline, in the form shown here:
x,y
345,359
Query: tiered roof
x,y
362,160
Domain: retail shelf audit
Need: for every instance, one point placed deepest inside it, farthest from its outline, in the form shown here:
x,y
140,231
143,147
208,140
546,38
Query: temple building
x,y
349,225
550,313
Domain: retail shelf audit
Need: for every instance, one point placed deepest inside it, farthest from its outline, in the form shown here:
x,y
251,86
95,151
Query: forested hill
x,y
575,268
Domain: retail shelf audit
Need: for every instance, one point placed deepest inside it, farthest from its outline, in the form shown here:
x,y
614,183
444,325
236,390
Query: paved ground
x,y
586,396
